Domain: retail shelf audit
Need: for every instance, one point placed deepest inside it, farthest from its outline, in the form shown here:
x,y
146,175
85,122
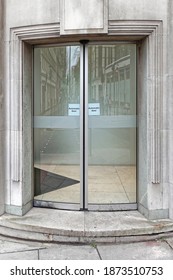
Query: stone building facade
x,y
53,53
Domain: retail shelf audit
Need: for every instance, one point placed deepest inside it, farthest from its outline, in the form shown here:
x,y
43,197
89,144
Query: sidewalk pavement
x,y
16,249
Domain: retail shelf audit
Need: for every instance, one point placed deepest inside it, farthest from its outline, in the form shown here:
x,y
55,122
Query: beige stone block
x,y
106,197
107,188
131,196
79,16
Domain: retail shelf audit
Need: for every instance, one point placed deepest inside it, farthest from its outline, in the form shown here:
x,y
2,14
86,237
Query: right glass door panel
x,y
112,124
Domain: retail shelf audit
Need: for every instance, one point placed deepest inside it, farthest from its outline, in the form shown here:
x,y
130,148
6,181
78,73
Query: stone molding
x,y
17,37
35,32
154,33
134,27
151,29
2,119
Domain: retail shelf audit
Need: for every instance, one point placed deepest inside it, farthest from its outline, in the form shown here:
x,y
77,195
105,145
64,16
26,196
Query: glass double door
x,y
85,126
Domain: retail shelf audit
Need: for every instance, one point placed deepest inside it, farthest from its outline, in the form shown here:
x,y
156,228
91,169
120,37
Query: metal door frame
x,y
83,204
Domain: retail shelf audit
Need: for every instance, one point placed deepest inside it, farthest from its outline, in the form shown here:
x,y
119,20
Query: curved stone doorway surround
x,y
148,36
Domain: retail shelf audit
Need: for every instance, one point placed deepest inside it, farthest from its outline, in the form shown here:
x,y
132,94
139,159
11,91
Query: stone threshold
x,y
50,225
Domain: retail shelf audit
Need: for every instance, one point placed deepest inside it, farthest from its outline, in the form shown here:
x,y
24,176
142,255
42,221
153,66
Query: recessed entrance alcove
x,y
135,46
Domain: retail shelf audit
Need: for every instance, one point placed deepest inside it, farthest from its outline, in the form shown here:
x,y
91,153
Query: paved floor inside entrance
x,y
106,184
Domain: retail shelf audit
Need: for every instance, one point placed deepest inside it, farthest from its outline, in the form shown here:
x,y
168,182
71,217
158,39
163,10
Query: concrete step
x,y
49,225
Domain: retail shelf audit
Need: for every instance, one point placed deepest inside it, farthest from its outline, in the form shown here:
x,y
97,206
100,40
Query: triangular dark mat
x,y
46,181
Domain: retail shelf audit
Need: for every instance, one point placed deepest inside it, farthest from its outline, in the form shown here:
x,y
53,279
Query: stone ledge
x,y
50,225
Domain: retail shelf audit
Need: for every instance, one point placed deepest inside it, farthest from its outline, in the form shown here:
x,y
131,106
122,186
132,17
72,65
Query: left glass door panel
x,y
57,127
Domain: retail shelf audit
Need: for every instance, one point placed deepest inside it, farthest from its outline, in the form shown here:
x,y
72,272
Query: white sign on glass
x,y
94,109
73,109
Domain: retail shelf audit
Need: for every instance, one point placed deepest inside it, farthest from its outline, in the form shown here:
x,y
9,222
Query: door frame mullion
x,y
81,130
84,125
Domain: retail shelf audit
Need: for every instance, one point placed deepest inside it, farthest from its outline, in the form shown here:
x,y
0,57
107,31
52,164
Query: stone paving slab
x,y
24,250
7,246
170,242
25,255
69,252
151,250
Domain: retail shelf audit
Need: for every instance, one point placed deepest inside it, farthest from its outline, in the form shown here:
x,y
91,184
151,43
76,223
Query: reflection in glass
x,y
56,123
111,130
112,126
